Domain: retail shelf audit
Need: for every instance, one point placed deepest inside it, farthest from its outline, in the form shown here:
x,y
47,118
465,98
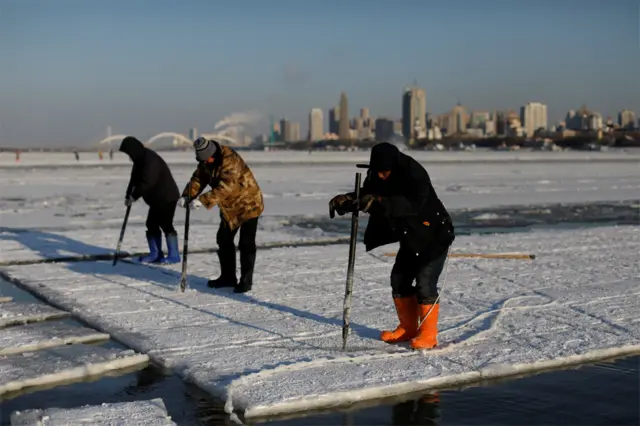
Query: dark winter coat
x,y
151,178
409,210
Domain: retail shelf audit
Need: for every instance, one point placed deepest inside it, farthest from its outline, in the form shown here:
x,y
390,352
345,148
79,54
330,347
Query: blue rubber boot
x,y
155,249
172,246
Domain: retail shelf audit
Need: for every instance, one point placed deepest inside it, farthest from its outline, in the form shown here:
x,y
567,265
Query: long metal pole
x,y
185,248
352,258
124,227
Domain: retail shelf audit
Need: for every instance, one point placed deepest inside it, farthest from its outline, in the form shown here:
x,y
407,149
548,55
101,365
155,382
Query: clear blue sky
x,y
70,68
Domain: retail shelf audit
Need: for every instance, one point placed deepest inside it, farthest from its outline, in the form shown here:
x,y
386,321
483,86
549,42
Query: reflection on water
x,y
607,393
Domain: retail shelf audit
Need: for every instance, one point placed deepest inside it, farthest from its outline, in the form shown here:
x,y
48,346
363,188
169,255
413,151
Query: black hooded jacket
x,y
151,178
409,210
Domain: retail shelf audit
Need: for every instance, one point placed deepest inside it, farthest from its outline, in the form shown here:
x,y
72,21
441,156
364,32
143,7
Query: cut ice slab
x,y
38,336
151,412
4,299
12,313
59,365
277,348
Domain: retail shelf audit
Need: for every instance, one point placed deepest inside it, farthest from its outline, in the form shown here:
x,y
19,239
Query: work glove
x,y
128,201
366,202
194,204
340,203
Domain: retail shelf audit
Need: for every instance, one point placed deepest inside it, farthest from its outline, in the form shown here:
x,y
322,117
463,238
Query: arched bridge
x,y
178,137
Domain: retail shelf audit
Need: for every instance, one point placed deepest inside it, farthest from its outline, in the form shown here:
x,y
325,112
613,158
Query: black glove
x,y
366,202
342,204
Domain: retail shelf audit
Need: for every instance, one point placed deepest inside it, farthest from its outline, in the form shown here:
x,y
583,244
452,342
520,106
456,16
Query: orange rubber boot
x,y
407,309
428,330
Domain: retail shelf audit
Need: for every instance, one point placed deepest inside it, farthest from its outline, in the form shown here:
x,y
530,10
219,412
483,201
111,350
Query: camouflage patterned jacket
x,y
233,188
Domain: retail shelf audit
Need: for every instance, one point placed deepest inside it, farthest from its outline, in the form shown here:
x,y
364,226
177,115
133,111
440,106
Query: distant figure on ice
x,y
235,191
152,180
403,206
77,155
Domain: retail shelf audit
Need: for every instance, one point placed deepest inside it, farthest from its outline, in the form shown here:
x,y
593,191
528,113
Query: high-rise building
x,y
458,120
315,125
501,123
344,131
626,119
384,129
364,113
294,132
334,119
285,130
533,116
193,134
414,110
478,118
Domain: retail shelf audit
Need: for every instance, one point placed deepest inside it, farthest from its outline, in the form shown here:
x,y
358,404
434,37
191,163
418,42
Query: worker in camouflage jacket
x,y
404,207
237,194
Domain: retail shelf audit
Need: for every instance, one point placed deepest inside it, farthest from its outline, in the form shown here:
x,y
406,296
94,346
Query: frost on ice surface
x,y
152,412
56,365
12,313
278,348
33,337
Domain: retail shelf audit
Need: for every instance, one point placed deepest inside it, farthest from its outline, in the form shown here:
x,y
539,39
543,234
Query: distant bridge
x,y
179,138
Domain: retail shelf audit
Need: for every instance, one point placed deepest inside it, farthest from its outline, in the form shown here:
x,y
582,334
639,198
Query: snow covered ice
x,y
53,366
12,313
152,412
277,349
33,337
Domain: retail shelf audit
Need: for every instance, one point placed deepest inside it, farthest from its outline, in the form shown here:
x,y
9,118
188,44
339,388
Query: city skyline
x,y
74,68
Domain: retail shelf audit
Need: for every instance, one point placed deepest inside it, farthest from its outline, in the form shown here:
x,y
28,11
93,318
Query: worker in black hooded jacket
x,y
152,180
404,207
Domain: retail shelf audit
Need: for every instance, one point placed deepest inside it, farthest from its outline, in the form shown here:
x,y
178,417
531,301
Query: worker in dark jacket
x,y
403,207
152,180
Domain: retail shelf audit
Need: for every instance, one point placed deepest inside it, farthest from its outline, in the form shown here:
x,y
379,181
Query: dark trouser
x,y
426,272
160,216
246,246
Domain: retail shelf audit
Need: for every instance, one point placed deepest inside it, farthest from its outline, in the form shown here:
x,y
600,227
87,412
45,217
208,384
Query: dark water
x,y
506,219
607,393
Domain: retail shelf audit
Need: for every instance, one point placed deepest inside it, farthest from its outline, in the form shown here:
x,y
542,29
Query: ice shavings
x,y
151,412
12,313
66,363
38,336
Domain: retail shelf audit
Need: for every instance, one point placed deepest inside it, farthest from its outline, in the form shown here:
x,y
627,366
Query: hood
x,y
384,156
133,148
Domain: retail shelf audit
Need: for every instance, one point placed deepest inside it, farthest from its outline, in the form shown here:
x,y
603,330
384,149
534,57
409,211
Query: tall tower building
x,y
315,125
626,119
344,130
334,119
294,132
414,111
458,120
533,117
